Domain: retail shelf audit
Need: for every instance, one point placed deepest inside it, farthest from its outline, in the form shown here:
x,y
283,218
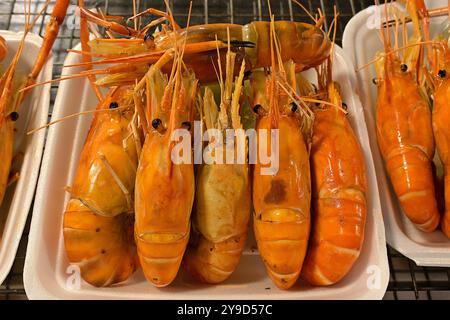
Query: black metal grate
x,y
407,280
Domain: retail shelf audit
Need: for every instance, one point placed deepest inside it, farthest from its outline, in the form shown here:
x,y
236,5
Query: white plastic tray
x,y
46,274
361,42
33,113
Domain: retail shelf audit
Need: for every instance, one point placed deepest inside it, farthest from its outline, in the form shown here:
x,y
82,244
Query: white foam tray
x,y
361,42
33,113
47,273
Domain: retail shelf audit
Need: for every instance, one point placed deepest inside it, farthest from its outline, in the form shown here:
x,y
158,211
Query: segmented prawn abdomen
x,y
305,44
102,247
282,205
339,199
405,138
222,211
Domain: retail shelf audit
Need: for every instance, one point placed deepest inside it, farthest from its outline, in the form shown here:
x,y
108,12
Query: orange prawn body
x,y
282,204
10,99
164,198
223,197
339,197
442,136
98,222
305,44
308,45
405,138
164,195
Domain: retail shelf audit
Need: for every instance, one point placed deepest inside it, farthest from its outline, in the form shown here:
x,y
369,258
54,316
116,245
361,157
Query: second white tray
x,y
28,149
361,42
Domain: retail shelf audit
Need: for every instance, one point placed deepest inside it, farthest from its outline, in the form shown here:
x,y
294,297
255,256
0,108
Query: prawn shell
x,y
304,43
405,138
339,189
220,222
164,196
442,135
101,242
105,139
103,247
282,205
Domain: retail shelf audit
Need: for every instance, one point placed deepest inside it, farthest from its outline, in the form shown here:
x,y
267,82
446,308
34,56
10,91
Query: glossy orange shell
x,y
405,138
164,197
304,43
339,199
282,205
103,247
441,127
98,223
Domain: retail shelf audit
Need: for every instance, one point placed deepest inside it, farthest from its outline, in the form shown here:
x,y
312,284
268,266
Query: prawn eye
x,y
404,67
14,116
156,123
257,108
344,106
442,73
294,107
113,105
148,36
375,81
187,125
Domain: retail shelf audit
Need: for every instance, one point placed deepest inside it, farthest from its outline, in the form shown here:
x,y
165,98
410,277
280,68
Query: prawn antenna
x,y
74,115
273,109
433,42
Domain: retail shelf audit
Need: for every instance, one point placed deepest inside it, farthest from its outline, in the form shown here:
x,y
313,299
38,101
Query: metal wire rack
x,y
407,281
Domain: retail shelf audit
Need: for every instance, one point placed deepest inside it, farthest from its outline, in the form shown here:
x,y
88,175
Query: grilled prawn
x,y
223,199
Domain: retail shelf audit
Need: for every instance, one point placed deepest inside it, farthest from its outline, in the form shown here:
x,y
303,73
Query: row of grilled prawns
x,y
13,85
132,204
412,115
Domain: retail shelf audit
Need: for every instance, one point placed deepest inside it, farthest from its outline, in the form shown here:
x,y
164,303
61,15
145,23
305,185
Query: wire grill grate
x,y
407,280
